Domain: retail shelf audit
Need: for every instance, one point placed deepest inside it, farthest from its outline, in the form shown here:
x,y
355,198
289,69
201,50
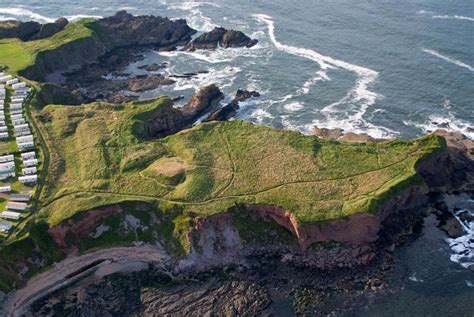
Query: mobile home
x,y
10,215
26,146
5,226
13,205
7,158
28,155
20,197
5,189
29,179
30,163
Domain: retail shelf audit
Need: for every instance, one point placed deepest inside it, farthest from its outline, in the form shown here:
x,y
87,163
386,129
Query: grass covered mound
x,y
98,159
18,55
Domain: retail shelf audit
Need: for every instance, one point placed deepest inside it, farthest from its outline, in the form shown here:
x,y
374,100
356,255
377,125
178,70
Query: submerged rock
x,y
221,37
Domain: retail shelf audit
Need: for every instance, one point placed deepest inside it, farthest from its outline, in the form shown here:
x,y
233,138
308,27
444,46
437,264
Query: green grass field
x,y
97,159
17,55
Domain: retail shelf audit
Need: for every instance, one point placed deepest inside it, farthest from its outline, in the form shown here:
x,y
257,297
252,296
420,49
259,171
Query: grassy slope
x,y
17,55
97,160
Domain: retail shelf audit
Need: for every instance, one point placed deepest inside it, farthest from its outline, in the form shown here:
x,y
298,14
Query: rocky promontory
x,y
223,38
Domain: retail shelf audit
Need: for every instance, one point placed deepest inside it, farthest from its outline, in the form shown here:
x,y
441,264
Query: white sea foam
x,y
81,16
445,121
435,15
21,12
453,17
470,283
221,76
413,278
126,8
195,19
448,59
356,102
294,106
463,246
260,115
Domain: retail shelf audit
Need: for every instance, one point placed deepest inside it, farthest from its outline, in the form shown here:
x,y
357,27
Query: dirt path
x,y
99,264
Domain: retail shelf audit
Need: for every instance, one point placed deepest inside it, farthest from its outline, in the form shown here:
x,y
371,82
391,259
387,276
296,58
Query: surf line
x,y
366,76
448,59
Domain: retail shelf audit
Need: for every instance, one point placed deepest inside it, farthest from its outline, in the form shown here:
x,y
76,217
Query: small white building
x,y
19,85
4,135
26,146
6,78
16,111
17,99
3,129
4,176
22,127
18,122
17,116
5,189
5,226
24,139
12,81
7,158
15,106
22,133
13,205
28,155
29,163
10,215
7,167
29,170
29,179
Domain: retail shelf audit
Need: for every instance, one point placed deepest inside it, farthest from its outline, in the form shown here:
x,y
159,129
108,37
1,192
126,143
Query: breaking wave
x,y
463,246
448,59
356,101
21,12
435,15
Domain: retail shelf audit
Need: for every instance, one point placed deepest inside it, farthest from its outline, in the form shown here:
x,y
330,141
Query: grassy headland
x,y
97,158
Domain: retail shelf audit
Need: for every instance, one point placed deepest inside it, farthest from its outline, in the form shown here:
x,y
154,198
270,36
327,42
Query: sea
x,y
391,69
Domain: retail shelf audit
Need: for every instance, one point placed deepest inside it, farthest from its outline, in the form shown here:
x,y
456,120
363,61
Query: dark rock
x,y
17,29
328,134
50,29
153,67
124,29
204,100
465,216
229,110
221,37
168,120
242,95
139,84
453,228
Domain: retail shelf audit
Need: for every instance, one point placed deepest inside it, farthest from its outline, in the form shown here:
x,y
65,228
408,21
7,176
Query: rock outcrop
x,y
18,29
223,38
169,120
50,29
31,30
229,110
124,29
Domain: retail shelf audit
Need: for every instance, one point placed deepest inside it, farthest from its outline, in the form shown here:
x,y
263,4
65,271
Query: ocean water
x,y
387,68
